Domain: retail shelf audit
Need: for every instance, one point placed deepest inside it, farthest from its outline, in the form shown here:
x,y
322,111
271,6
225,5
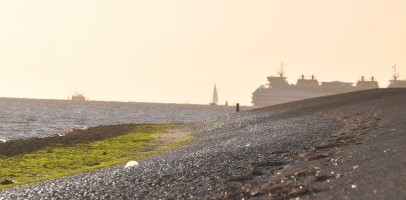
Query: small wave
x,y
83,127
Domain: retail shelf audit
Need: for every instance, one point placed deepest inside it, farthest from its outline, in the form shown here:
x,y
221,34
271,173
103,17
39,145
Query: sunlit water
x,y
21,118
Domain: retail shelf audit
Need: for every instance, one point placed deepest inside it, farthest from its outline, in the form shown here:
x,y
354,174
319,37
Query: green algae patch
x,y
58,161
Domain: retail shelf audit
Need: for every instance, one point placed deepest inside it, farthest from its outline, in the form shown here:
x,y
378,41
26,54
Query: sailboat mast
x,y
395,73
215,97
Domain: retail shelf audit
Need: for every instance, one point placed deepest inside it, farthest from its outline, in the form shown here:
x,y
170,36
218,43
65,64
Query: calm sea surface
x,y
21,118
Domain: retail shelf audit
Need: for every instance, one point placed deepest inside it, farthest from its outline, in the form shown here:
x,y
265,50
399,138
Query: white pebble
x,y
131,164
353,186
3,140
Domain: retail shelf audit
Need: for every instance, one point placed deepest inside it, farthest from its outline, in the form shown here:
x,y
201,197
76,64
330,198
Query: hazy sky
x,y
175,50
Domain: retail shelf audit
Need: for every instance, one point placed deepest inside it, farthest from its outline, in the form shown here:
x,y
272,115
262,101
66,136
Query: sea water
x,y
22,118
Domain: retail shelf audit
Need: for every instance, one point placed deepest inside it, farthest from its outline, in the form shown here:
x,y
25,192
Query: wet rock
x,y
7,182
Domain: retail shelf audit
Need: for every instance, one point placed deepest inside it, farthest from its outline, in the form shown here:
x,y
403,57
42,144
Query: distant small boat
x,y
77,97
215,97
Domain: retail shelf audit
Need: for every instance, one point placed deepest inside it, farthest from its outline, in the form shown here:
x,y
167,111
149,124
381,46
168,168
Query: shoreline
x,y
348,146
30,118
27,145
38,159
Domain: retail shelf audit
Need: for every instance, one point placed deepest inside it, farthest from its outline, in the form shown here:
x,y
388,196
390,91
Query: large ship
x,y
395,82
278,90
